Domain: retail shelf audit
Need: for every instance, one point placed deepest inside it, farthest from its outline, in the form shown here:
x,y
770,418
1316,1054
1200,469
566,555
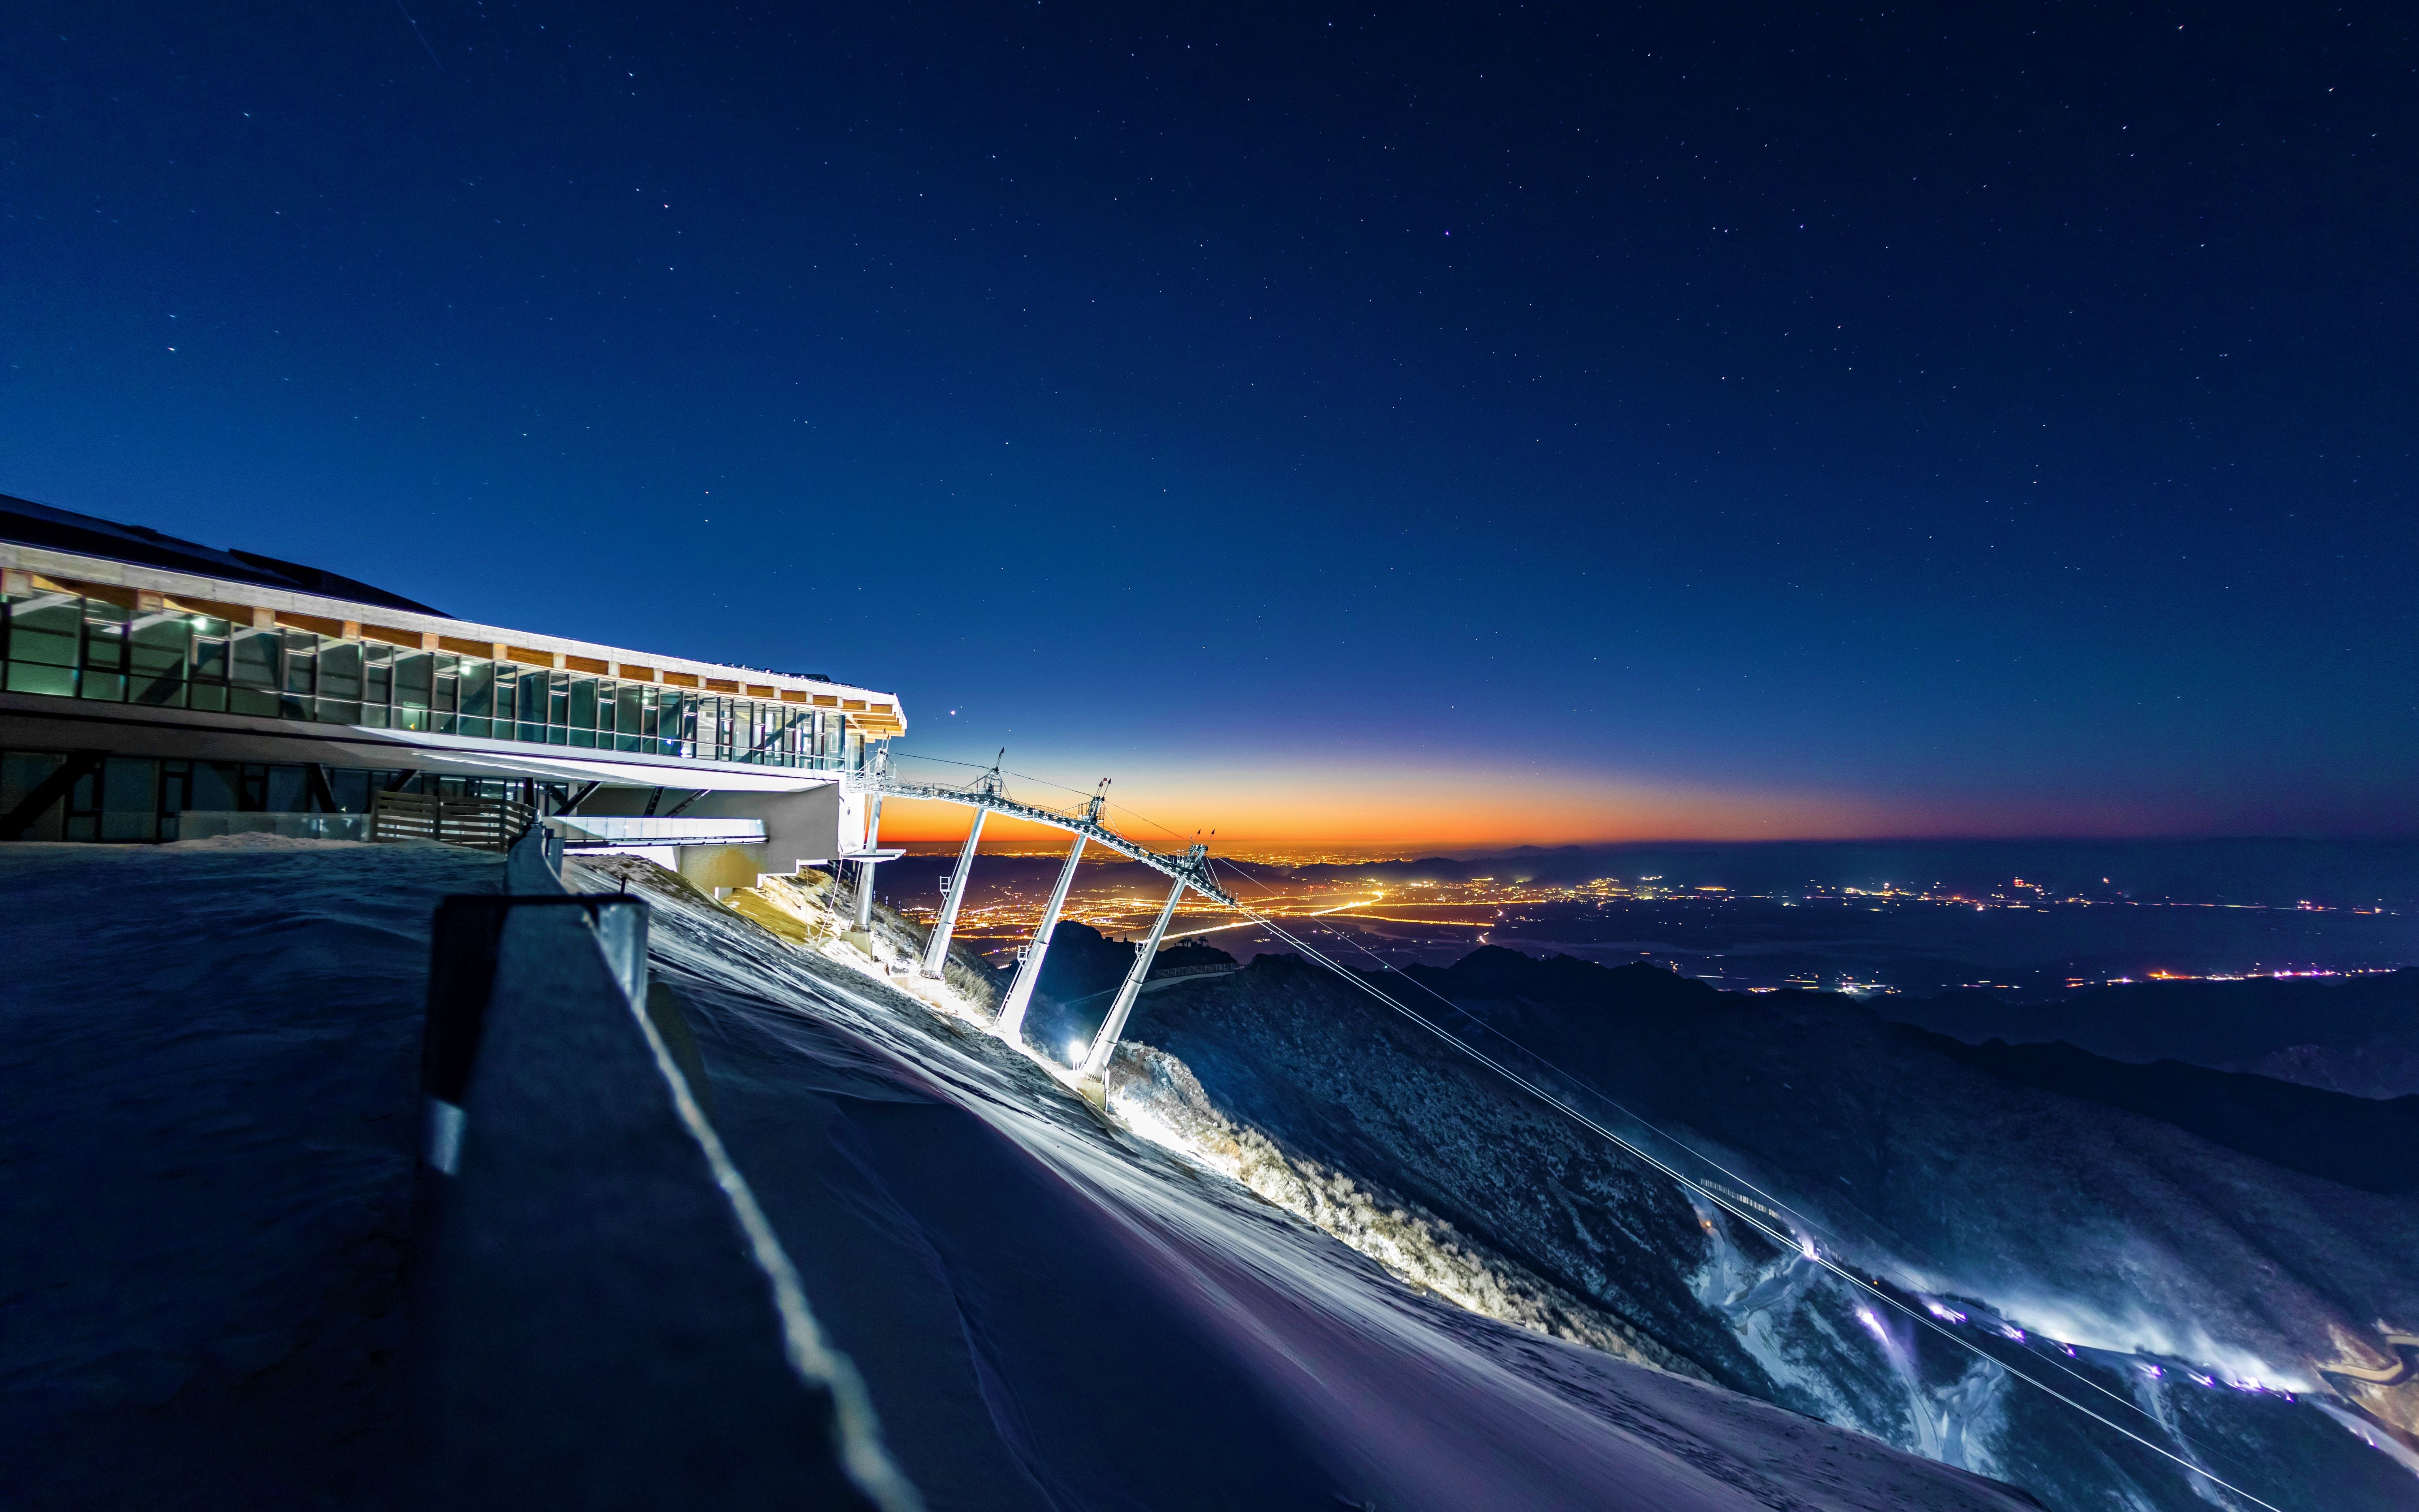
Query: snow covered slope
x,y
206,1133
2136,1245
1054,1312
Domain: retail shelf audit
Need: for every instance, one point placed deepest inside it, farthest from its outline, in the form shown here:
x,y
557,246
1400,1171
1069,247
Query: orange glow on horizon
x,y
1426,808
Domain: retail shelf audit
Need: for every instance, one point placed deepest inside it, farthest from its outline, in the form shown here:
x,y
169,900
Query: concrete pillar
x,y
936,949
1009,1025
1096,1065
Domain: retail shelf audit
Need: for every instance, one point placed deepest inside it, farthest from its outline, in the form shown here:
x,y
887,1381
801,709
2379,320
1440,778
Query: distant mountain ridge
x,y
2360,1142
2348,1034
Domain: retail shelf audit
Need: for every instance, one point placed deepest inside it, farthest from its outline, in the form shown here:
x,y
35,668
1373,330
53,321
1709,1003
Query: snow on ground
x,y
1053,1311
206,1133
207,1086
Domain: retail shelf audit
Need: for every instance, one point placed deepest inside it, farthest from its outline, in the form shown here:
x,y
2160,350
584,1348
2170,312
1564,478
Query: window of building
x,y
104,652
45,636
63,645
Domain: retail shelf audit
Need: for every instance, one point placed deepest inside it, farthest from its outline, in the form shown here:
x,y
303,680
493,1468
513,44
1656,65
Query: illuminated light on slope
x,y
2069,1325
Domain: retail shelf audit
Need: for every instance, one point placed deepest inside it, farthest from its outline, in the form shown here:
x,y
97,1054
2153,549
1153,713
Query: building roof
x,y
79,553
28,523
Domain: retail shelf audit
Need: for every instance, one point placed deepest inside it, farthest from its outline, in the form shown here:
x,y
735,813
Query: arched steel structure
x,y
1182,868
1189,872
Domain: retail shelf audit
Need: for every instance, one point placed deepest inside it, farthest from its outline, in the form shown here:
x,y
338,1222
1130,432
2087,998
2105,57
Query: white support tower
x,y
865,868
1104,1044
936,949
1009,1025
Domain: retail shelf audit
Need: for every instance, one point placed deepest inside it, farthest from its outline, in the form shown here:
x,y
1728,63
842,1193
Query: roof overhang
x,y
137,586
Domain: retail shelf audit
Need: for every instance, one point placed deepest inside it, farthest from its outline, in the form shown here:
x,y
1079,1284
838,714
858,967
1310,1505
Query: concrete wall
x,y
812,825
601,1318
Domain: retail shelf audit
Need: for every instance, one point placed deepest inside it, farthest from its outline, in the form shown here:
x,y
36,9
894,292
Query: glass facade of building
x,y
69,646
141,798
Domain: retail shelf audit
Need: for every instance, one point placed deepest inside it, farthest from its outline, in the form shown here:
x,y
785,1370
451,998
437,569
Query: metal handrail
x,y
482,824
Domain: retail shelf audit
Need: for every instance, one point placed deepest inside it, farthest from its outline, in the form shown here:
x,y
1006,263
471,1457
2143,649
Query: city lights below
x,y
1732,939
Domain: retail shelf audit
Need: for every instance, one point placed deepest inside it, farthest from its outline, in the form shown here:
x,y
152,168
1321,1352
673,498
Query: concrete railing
x,y
602,1315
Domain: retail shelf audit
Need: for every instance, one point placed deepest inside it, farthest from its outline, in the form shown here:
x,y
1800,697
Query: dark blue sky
x,y
1438,424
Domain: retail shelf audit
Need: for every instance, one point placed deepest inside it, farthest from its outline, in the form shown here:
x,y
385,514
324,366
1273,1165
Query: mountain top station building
x,y
155,689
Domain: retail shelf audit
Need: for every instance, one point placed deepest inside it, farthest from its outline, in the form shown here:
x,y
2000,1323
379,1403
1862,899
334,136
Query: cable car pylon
x,y
987,795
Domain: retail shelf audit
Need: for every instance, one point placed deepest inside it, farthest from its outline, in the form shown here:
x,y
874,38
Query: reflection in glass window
x,y
44,634
340,670
340,682
580,711
378,674
629,717
301,658
477,691
104,651
415,680
210,664
155,658
257,654
532,700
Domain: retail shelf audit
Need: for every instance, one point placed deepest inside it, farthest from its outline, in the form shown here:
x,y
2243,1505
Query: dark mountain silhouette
x,y
2224,1025
2361,1142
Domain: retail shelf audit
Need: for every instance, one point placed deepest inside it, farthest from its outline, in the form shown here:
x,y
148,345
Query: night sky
x,y
1452,425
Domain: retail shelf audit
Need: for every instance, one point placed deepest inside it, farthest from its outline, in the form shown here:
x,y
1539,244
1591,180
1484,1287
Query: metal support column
x,y
936,949
1096,1065
865,869
1009,1025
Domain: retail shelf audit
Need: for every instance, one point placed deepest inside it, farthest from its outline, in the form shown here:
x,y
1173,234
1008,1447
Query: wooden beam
x,y
313,623
211,609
